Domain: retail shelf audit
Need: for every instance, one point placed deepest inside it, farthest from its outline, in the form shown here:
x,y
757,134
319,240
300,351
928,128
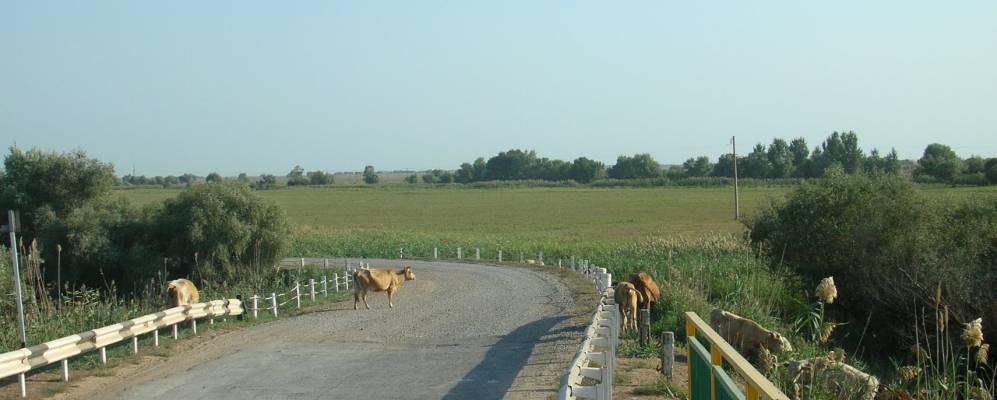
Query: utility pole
x,y
737,198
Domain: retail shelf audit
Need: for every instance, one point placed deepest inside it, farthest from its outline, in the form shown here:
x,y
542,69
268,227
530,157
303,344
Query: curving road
x,y
459,331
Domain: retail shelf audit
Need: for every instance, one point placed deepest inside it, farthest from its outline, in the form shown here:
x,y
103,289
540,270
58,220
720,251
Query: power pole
x,y
737,198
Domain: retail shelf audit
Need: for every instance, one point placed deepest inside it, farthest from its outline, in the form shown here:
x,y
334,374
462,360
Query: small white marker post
x,y
435,253
193,326
401,252
103,355
325,286
477,254
297,294
500,256
336,277
134,344
155,338
311,286
458,253
273,303
540,258
325,263
302,262
256,308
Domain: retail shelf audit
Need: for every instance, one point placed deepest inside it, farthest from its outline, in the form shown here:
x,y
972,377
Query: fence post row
x,y
598,345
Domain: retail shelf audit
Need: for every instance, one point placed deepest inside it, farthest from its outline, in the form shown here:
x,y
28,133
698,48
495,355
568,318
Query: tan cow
x,y
627,297
844,381
182,292
746,333
647,288
379,280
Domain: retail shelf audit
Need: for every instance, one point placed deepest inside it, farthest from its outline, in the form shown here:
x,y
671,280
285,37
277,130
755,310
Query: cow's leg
x,y
391,291
356,297
364,297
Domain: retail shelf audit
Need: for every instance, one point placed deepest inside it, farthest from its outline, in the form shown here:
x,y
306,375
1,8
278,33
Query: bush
x,y
888,248
227,226
370,175
266,182
977,179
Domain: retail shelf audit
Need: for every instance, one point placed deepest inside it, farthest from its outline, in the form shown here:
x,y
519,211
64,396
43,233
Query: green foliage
x,y
213,177
887,247
438,176
319,178
940,162
990,170
698,167
412,179
297,177
640,166
584,170
266,182
226,226
370,175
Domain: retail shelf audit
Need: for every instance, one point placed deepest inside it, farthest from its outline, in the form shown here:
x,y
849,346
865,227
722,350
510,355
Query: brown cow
x,y
379,280
746,333
182,292
647,288
627,297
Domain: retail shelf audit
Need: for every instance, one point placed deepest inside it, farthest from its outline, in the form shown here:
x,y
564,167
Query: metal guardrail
x,y
707,378
18,362
598,345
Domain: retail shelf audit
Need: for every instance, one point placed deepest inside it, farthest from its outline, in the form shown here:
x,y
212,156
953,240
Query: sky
x,y
258,87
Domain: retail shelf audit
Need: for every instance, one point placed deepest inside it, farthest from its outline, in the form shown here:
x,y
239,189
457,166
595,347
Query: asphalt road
x,y
459,331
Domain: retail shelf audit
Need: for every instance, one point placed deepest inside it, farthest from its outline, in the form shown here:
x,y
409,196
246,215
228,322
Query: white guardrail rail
x,y
18,362
582,380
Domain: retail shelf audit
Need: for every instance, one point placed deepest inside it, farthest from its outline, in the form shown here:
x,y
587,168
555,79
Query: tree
x,y
725,166
756,165
266,182
320,178
975,165
45,186
940,162
412,179
584,170
297,176
187,179
800,153
511,165
465,174
370,175
213,177
699,166
480,168
243,178
640,166
991,170
780,159
227,226
170,180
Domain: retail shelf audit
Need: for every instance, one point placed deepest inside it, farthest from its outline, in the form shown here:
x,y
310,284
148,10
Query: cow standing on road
x,y
379,280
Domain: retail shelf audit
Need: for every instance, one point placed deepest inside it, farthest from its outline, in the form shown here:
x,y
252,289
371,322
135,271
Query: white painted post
x,y
458,253
436,253
311,289
155,338
336,277
346,282
540,258
302,262
297,294
256,306
559,263
193,326
325,286
500,256
103,355
401,252
65,370
325,262
134,344
273,303
176,332
477,253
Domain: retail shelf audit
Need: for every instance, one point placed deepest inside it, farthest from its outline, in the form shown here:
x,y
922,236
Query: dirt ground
x,y
636,372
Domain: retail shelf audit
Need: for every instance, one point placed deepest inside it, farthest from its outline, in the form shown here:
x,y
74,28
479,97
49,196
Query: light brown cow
x,y
627,297
746,333
844,381
379,280
182,292
647,288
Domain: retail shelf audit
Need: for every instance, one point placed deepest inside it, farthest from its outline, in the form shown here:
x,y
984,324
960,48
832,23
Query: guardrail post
x,y
24,385
500,256
311,288
459,255
477,253
522,259
273,304
134,344
155,338
193,326
65,370
325,286
297,294
572,263
176,332
559,263
667,353
435,253
103,355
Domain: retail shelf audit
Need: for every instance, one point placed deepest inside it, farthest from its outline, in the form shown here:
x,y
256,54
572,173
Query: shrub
x,y
266,182
370,175
320,178
226,226
412,179
990,170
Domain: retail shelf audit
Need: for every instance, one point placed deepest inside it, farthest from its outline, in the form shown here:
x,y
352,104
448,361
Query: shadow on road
x,y
492,378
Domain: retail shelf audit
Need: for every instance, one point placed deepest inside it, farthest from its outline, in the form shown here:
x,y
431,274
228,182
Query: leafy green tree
x,y
511,165
584,170
480,168
699,166
550,170
227,226
266,182
412,179
725,166
991,170
370,175
213,177
45,186
756,165
187,179
940,162
780,159
243,178
297,177
975,165
801,162
465,174
170,180
320,178
640,166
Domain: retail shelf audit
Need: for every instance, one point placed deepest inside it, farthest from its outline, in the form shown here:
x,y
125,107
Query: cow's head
x,y
777,341
409,275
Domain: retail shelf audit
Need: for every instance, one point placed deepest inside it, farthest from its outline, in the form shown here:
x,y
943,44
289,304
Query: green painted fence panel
x,y
726,389
699,367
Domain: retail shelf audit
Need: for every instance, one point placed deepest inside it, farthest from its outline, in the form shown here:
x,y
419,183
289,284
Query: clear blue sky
x,y
241,86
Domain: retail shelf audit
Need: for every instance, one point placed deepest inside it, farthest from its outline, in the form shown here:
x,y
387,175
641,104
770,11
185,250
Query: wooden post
x,y
242,304
256,306
65,370
311,288
500,256
176,332
667,353
302,262
436,253
336,277
325,286
273,304
477,253
458,253
155,338
297,294
325,263
644,326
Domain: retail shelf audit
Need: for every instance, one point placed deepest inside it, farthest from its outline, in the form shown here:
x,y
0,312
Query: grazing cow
x,y
843,380
746,333
379,280
627,297
647,288
182,292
